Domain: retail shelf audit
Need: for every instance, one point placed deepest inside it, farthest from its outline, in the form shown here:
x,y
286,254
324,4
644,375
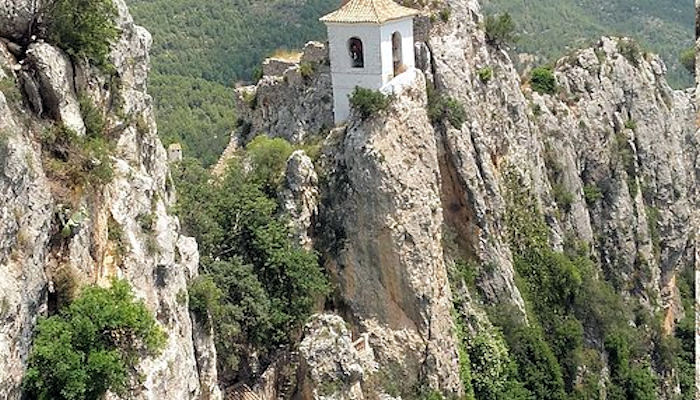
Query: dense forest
x,y
202,49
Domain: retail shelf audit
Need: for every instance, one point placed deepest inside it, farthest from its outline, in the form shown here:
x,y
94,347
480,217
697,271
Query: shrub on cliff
x,y
92,345
687,59
543,81
500,30
83,28
368,102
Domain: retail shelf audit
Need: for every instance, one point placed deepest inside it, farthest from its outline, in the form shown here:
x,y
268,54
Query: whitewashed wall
x,y
405,28
344,76
378,58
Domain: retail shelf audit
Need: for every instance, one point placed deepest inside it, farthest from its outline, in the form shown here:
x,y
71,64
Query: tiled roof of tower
x,y
369,11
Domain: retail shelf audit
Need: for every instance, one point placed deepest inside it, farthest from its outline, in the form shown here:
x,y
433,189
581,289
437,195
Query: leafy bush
x,y
445,14
562,197
500,30
306,70
543,80
92,117
9,88
83,28
592,194
441,108
687,60
369,102
92,346
485,74
269,155
630,50
537,366
230,296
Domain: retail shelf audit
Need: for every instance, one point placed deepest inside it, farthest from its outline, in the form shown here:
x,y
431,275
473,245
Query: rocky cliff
x,y
608,162
71,216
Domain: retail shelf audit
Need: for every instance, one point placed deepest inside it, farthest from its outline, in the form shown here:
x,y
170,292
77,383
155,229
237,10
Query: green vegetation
x,y
687,60
485,74
442,108
562,196
549,29
368,102
563,295
77,160
195,112
592,194
543,81
306,70
92,345
500,30
9,89
92,117
630,50
257,285
445,14
83,28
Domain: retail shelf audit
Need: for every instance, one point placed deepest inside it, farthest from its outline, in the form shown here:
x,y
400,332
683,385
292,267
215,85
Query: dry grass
x,y
287,55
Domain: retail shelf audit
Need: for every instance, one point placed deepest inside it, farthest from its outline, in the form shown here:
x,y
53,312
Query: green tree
x,y
257,284
83,28
92,345
500,30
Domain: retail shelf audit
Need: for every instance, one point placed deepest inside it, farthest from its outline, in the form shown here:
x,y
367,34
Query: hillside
x,y
552,28
202,48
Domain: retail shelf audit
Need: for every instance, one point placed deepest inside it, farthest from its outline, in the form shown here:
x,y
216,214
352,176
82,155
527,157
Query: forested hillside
x,y
552,28
201,49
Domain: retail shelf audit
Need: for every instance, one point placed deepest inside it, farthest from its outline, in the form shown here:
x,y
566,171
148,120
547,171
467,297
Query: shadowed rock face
x,y
109,238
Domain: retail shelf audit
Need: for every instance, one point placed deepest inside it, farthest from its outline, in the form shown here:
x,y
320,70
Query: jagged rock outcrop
x,y
293,100
18,17
390,265
54,75
299,196
612,103
293,104
332,365
58,234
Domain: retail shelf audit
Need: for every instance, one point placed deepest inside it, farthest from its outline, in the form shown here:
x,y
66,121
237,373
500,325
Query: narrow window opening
x,y
357,59
397,53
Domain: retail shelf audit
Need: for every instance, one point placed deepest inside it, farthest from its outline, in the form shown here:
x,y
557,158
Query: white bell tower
x,y
371,42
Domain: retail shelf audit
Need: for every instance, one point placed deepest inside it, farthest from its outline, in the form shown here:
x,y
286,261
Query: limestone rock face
x,y
300,195
52,233
17,17
294,103
610,160
54,73
390,267
332,365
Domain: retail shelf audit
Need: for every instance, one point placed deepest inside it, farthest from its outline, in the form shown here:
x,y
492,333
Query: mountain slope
x,y
222,42
552,28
